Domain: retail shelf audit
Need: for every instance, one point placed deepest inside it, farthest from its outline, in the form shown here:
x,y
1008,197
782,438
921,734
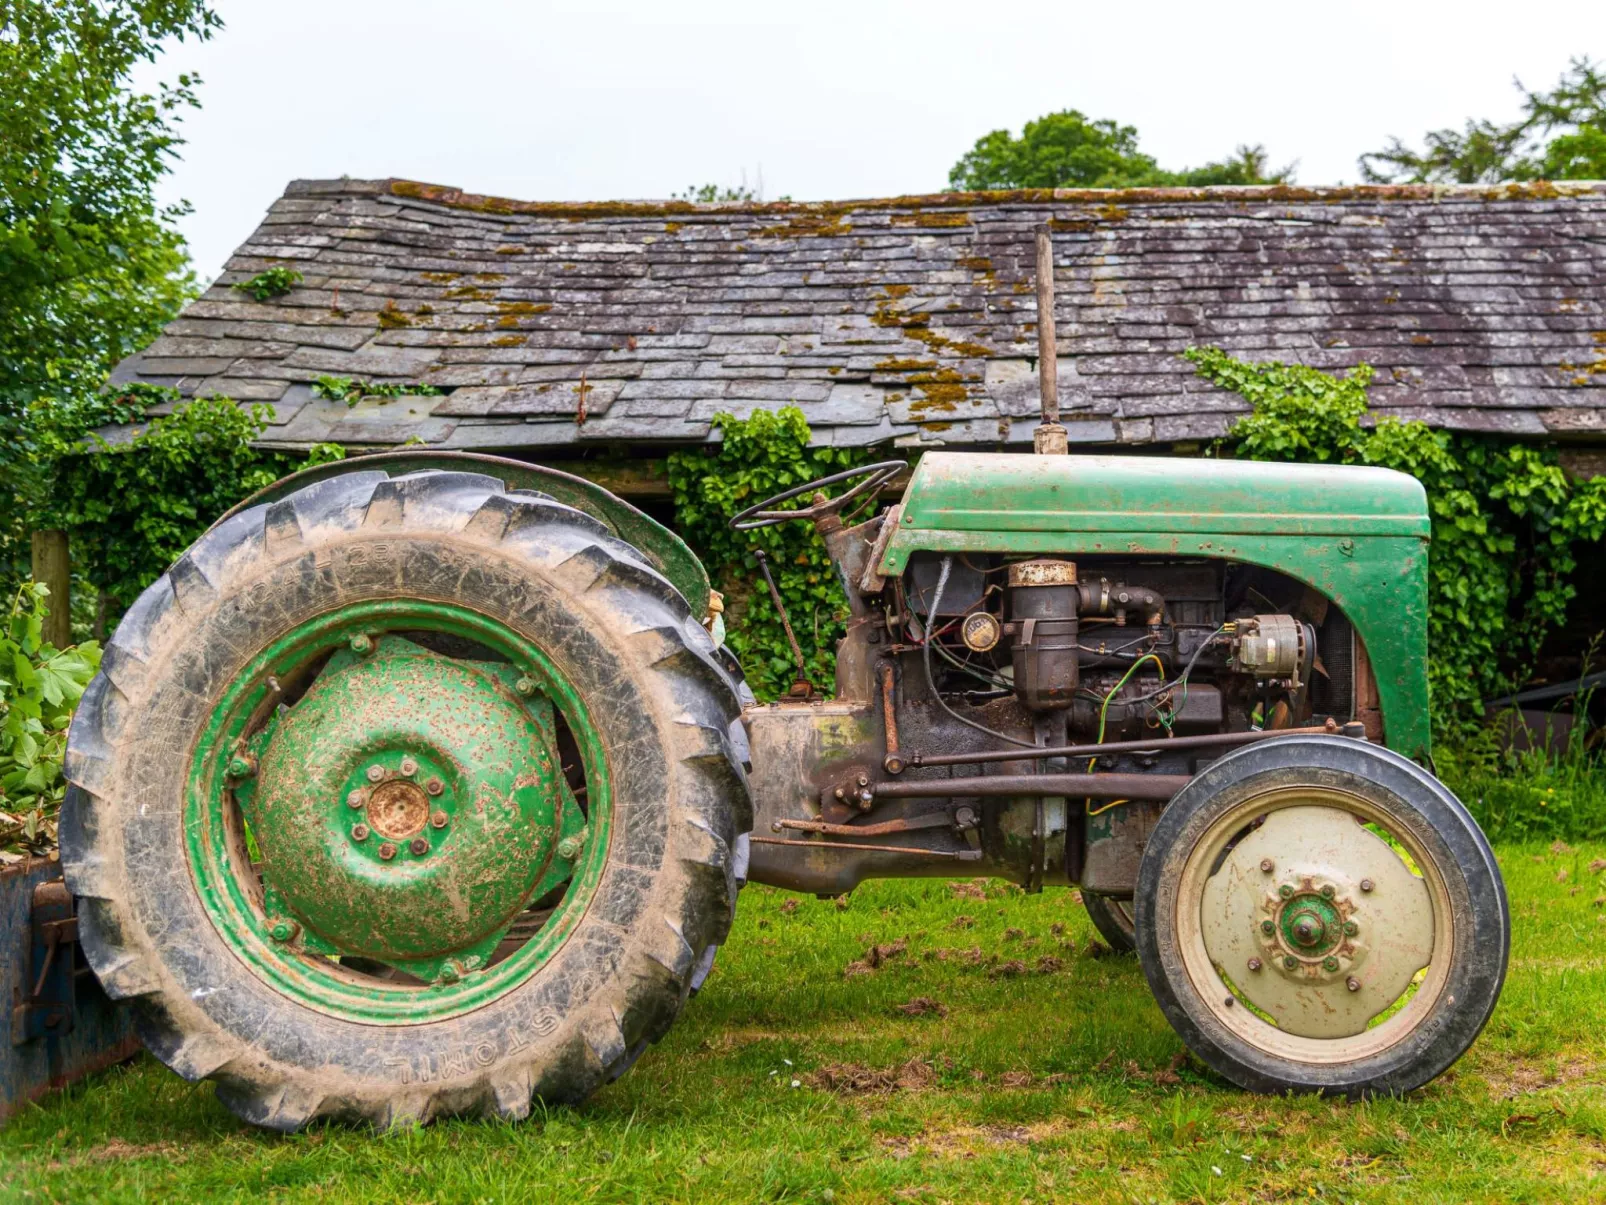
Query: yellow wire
x,y
1114,803
1105,706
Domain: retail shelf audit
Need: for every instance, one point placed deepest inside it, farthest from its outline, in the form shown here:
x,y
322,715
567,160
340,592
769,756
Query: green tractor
x,y
418,786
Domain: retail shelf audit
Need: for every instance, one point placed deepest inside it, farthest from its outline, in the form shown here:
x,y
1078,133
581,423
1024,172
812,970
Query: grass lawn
x,y
1040,1070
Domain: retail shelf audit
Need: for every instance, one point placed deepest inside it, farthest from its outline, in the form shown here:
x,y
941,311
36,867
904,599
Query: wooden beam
x,y
628,479
52,568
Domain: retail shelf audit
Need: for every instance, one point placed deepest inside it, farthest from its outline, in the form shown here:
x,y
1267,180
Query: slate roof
x,y
912,318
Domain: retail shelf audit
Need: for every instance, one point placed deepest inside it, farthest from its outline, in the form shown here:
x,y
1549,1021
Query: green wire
x,y
1104,707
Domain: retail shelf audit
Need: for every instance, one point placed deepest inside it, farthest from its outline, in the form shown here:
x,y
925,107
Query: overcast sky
x,y
535,100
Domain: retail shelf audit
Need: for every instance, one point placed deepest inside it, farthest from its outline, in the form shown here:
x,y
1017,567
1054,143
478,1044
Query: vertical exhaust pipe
x,y
1049,438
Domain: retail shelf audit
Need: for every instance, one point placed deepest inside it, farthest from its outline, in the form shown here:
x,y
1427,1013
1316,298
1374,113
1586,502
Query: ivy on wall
x,y
756,457
1505,518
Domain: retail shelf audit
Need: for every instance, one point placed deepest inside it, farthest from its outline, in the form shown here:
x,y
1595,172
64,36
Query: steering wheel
x,y
875,476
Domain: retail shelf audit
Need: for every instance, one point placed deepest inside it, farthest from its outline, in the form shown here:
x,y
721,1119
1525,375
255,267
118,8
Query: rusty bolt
x,y
376,772
241,767
356,799
419,846
866,798
1267,928
438,819
1329,963
525,686
1254,964
1328,891
1229,1001
569,848
1366,884
1351,928
387,851
434,786
1285,891
409,767
1290,962
362,644
359,832
450,973
864,780
1353,984
284,930
1267,866
840,793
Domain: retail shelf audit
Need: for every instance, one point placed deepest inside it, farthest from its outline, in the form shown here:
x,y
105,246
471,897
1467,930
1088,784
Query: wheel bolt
x,y
409,767
376,772
1254,964
1267,866
1366,884
362,644
1290,962
1353,984
284,930
241,767
525,686
1267,928
438,819
359,832
1230,1001
1285,891
419,846
449,973
434,786
1351,928
1329,964
387,851
569,848
1328,891
356,799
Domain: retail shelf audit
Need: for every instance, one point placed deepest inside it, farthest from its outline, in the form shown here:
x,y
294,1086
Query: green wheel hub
x,y
1311,925
407,809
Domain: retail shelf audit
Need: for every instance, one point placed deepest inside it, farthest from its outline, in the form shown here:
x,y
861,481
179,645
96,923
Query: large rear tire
x,y
460,579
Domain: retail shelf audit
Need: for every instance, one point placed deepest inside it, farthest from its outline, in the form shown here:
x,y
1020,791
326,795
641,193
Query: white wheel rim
x,y
1351,926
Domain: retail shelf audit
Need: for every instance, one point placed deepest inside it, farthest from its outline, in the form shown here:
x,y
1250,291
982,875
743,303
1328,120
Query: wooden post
x,y
1049,437
51,567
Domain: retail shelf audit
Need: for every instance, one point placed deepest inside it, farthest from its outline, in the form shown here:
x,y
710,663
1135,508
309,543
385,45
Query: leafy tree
x,y
1068,150
90,264
1561,135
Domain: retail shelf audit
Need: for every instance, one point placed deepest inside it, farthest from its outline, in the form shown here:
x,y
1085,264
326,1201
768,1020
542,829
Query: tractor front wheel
x,y
405,796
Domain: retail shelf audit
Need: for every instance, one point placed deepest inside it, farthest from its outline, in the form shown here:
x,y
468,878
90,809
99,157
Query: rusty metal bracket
x,y
959,855
47,1010
885,828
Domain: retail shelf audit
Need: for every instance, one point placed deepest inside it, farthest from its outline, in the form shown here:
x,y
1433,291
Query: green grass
x,y
1060,1081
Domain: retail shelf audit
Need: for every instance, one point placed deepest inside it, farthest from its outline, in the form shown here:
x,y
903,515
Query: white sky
x,y
540,100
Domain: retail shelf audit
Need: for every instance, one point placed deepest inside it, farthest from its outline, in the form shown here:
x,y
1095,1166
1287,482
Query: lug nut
x,y
362,644
376,772
569,848
1366,884
1290,962
1328,891
864,780
1329,963
356,799
840,793
1285,891
284,930
359,832
438,819
1351,928
525,686
1266,866
241,767
450,973
1254,964
419,846
1267,928
434,786
387,851
409,767
1353,984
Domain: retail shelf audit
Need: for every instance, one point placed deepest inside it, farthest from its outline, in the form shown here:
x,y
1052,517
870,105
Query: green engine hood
x,y
1357,535
998,491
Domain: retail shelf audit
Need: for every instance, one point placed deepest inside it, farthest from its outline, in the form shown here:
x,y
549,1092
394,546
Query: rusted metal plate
x,y
75,1030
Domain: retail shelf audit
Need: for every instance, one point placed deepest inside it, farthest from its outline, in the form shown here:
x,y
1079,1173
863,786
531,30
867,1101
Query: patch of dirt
x,y
961,922
1014,934
1007,970
855,1079
789,907
922,1006
875,957
1048,964
1096,949
1512,1077
976,889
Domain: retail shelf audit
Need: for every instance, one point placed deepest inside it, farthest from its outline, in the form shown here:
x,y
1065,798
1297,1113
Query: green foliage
x,y
708,194
1528,794
131,509
759,456
1067,150
275,282
1561,135
351,390
39,687
1505,517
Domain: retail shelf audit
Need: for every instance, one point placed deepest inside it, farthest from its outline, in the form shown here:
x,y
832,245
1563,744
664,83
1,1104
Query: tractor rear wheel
x,y
402,797
1317,914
